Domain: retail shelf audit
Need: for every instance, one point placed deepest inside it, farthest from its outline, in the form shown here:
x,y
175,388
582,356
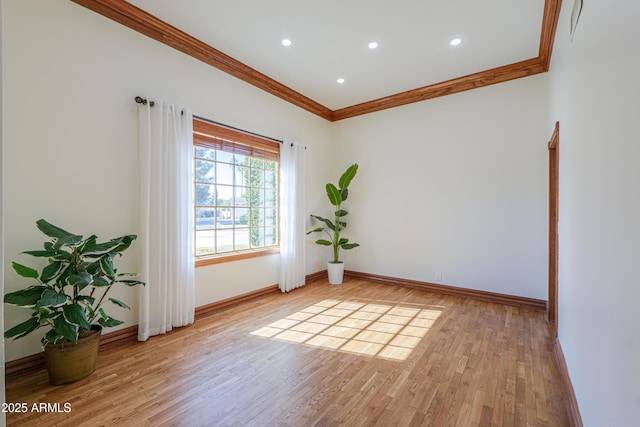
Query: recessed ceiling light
x,y
286,42
340,80
456,41
373,45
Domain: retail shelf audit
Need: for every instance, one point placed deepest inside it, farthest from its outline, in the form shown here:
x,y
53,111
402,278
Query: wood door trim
x,y
138,20
554,159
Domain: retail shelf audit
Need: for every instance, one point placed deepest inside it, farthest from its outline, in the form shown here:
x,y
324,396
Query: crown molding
x,y
138,20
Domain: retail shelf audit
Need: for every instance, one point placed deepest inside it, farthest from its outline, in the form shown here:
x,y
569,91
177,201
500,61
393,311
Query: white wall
x,y
595,93
456,185
71,130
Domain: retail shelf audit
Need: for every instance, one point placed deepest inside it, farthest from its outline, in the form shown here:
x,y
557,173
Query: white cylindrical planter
x,y
335,270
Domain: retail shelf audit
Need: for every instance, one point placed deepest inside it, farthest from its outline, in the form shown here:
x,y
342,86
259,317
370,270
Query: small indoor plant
x,y
68,297
333,229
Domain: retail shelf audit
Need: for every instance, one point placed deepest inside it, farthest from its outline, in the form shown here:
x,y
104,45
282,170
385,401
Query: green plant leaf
x,y
110,322
341,212
51,337
41,254
65,329
74,314
106,264
51,298
315,230
25,297
100,281
342,241
101,248
323,242
345,193
130,282
23,328
81,280
67,241
326,221
349,246
120,303
53,231
334,195
51,271
25,271
87,298
347,176
107,321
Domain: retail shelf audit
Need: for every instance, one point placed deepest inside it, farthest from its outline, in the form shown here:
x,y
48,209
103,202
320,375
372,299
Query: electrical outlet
x,y
438,275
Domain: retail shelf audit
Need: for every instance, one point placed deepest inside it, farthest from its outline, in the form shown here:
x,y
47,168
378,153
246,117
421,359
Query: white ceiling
x,y
329,40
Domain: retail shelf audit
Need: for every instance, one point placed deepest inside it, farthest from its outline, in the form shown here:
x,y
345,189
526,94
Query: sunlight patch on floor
x,y
382,329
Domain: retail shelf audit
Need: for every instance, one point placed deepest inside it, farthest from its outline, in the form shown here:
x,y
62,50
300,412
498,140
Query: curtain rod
x,y
143,101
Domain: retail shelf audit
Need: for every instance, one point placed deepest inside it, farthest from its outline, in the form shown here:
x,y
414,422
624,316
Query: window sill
x,y
235,256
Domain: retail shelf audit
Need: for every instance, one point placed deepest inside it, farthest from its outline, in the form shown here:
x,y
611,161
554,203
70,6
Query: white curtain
x,y
166,218
292,215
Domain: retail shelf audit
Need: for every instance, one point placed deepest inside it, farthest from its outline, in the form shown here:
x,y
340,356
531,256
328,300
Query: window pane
x,y
205,195
270,198
242,238
257,197
271,218
257,237
205,171
205,242
205,218
257,163
270,165
223,218
224,173
242,217
224,241
270,178
224,156
270,237
224,195
205,153
257,217
257,178
242,196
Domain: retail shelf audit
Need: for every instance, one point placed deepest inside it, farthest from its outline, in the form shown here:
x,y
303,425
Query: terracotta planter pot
x,y
68,362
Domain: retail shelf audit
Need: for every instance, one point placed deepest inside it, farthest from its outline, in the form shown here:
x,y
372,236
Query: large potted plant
x,y
337,195
68,299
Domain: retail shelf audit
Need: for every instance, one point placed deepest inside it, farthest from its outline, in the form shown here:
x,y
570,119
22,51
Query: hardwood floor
x,y
357,354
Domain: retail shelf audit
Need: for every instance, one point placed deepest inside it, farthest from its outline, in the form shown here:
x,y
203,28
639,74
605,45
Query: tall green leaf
x,y
51,298
323,242
349,245
347,176
74,314
25,297
54,231
23,328
334,195
25,271
51,271
106,264
119,303
65,329
326,221
81,280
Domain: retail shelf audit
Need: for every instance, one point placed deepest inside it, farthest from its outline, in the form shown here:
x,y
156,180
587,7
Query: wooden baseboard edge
x,y
319,275
531,303
218,306
571,402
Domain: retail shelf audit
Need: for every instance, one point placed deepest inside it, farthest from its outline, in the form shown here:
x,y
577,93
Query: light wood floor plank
x,y
359,354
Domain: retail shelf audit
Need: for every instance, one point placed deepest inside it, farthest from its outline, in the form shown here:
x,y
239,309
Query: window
x,y
236,194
